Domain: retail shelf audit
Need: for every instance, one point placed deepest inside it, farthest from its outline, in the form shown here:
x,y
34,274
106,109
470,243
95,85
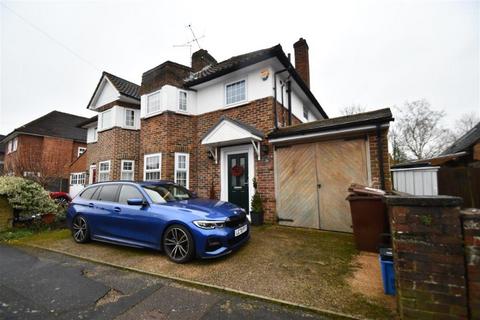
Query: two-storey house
x,y
44,148
204,126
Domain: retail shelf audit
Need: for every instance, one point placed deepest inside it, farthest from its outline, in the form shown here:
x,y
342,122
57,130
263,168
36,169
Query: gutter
x,y
325,133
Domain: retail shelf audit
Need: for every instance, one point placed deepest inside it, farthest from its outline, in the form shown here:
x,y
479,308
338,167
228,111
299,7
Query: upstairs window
x,y
181,169
235,92
106,119
127,168
81,150
182,100
104,171
12,145
152,166
153,102
129,118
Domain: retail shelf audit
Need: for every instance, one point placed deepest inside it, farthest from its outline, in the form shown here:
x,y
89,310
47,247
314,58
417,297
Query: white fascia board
x,y
325,133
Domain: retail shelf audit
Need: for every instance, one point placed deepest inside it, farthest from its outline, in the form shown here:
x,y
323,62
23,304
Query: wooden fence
x,y
461,182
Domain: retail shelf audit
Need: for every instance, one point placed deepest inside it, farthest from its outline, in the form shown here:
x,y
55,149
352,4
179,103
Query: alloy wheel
x,y
80,229
177,244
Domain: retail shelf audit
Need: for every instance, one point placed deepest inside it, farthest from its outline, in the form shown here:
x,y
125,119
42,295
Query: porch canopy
x,y
228,132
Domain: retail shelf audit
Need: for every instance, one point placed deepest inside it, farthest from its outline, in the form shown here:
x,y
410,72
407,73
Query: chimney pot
x,y
302,64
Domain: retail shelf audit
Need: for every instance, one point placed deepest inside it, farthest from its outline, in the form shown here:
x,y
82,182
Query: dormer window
x,y
182,100
235,92
153,102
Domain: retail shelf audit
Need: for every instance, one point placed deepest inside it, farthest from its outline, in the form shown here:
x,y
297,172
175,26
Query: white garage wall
x,y
417,181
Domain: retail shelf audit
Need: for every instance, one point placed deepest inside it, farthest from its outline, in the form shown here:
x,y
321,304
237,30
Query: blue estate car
x,y
159,215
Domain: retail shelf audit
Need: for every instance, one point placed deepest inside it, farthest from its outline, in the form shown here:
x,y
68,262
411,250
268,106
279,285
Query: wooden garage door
x,y
313,179
297,200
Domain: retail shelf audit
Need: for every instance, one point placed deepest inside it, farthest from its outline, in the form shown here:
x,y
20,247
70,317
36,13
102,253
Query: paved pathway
x,y
37,284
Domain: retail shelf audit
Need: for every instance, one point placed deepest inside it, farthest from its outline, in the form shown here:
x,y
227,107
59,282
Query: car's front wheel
x,y
80,230
178,244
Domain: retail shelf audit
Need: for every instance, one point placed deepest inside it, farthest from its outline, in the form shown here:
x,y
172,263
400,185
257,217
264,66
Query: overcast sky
x,y
372,53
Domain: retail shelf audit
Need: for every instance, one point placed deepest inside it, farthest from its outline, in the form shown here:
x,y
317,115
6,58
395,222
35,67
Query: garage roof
x,y
360,119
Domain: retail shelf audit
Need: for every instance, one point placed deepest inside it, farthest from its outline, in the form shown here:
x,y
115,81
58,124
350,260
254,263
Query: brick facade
x,y
374,163
49,156
429,257
471,233
115,144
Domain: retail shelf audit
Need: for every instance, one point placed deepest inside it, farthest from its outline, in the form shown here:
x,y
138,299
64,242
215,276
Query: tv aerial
x,y
189,44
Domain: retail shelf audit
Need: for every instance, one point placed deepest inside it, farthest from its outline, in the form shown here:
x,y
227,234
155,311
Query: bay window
x,y
152,166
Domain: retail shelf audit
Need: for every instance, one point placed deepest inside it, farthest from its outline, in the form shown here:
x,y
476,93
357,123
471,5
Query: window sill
x,y
236,104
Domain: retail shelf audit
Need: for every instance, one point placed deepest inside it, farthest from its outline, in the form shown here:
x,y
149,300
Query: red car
x,y
62,198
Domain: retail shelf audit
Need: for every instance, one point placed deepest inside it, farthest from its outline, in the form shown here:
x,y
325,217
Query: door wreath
x,y
237,171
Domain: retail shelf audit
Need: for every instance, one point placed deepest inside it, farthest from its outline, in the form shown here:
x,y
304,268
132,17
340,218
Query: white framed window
x,y
77,178
305,112
14,144
235,92
106,119
153,102
129,118
127,170
152,166
182,100
81,150
182,164
104,171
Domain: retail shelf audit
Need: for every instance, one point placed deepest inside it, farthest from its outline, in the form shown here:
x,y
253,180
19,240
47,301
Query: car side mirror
x,y
136,202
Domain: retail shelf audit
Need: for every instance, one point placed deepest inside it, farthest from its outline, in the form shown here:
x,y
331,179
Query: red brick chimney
x,y
302,64
201,59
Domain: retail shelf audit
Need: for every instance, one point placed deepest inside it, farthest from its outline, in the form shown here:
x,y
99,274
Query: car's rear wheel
x,y
80,230
178,244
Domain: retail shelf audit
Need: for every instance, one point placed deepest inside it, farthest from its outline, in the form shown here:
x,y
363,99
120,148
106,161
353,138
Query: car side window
x,y
129,192
108,193
88,193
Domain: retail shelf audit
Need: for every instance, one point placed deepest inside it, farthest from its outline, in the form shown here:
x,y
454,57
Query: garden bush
x,y
27,197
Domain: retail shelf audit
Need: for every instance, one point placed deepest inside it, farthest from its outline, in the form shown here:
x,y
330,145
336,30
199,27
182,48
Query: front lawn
x,y
308,267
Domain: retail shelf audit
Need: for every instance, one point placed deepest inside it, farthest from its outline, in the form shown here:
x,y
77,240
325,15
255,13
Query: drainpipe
x,y
281,99
275,119
380,156
289,97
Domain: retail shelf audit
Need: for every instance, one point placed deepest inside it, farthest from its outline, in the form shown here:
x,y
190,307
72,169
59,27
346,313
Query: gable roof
x,y
465,141
241,61
244,126
54,124
359,119
124,87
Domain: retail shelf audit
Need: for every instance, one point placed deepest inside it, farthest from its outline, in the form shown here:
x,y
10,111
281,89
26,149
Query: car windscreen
x,y
167,193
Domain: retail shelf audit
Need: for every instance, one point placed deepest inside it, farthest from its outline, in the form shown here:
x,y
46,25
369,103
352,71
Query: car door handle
x,y
90,205
117,209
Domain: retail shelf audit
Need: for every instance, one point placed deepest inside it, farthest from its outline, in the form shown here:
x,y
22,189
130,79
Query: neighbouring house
x,y
214,126
44,148
2,154
455,172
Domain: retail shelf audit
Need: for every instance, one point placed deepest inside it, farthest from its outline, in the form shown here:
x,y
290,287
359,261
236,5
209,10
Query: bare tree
x,y
418,131
465,123
352,109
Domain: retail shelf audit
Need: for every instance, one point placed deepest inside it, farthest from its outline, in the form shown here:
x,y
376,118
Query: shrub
x,y
26,196
257,204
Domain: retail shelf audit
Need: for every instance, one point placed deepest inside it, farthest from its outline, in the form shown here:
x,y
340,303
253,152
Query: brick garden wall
x,y
471,233
436,257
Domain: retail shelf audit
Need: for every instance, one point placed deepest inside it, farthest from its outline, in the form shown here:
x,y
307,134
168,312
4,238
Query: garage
x,y
316,162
